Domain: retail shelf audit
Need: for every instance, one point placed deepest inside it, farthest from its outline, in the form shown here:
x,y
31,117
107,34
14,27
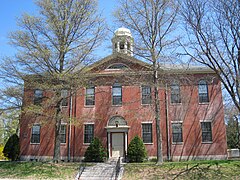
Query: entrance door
x,y
117,144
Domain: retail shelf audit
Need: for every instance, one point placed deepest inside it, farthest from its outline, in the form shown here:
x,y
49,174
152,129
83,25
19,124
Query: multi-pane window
x,y
146,95
117,94
35,138
62,133
177,132
203,91
118,66
90,96
38,96
88,133
206,131
147,132
64,95
175,93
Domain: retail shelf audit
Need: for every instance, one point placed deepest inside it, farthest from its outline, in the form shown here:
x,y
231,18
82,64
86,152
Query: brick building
x,y
117,104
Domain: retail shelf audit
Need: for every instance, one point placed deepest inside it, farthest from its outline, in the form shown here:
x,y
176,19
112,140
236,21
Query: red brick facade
x,y
189,113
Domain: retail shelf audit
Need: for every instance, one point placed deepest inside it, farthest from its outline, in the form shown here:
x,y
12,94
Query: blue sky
x,y
11,9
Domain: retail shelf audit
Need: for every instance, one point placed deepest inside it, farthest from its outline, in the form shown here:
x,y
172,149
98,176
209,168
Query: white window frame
x,y
36,124
143,123
84,126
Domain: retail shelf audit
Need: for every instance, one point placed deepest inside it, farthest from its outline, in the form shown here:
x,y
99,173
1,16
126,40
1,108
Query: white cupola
x,y
122,42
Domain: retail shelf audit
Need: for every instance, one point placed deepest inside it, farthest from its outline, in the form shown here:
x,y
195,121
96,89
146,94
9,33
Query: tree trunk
x,y
56,156
157,117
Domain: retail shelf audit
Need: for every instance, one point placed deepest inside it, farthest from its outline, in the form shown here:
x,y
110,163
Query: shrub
x,y
11,149
95,152
136,150
2,157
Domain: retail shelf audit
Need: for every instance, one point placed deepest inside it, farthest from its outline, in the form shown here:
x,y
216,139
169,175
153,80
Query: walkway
x,y
100,171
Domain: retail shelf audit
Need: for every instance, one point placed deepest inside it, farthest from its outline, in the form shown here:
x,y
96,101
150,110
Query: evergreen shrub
x,y
95,152
136,150
11,149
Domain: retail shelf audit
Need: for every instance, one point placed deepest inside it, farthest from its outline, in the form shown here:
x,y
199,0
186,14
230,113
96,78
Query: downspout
x,y
70,129
75,115
167,125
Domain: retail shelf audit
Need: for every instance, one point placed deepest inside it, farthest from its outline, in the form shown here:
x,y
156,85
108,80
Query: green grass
x,y
212,169
38,170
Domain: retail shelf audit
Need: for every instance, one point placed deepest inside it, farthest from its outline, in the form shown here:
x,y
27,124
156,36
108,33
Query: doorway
x,y
117,144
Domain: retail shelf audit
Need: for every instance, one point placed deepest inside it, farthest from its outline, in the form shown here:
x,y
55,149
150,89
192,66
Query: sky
x,y
10,10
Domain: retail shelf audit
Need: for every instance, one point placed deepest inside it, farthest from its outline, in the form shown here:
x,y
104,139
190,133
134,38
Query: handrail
x,y
118,167
81,169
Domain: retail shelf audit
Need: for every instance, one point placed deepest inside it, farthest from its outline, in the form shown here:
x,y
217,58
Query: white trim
x,y
85,95
150,96
206,120
175,122
210,121
89,123
86,123
147,122
35,124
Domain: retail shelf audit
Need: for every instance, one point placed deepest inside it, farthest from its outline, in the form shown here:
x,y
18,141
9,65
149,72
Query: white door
x,y
117,144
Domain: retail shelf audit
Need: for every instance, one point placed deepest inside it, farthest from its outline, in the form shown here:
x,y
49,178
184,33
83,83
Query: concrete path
x,y
100,171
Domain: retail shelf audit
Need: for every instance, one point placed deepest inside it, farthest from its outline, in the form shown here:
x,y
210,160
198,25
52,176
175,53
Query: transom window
x,y
88,133
64,95
35,138
117,94
63,133
118,66
175,93
38,96
90,96
147,132
146,95
177,132
206,131
203,91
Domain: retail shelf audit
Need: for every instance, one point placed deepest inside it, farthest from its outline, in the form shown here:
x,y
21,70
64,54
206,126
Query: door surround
x,y
117,125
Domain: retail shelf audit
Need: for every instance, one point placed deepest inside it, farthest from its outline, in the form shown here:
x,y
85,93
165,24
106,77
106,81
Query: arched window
x,y
121,45
117,66
175,93
203,91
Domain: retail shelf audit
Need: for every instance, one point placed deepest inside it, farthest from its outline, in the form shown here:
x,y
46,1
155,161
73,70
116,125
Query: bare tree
x,y
212,28
53,47
152,22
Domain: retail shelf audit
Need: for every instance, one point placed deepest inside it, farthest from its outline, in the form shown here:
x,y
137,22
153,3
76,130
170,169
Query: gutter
x,y
70,129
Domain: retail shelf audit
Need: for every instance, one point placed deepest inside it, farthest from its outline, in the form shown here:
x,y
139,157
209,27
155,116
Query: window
x,y
206,131
147,132
128,46
88,133
175,93
64,95
177,132
203,91
117,94
146,95
38,96
90,96
117,66
121,45
35,134
63,133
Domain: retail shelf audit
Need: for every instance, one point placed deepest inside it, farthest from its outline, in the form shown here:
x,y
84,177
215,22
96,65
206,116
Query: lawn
x,y
38,170
183,170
